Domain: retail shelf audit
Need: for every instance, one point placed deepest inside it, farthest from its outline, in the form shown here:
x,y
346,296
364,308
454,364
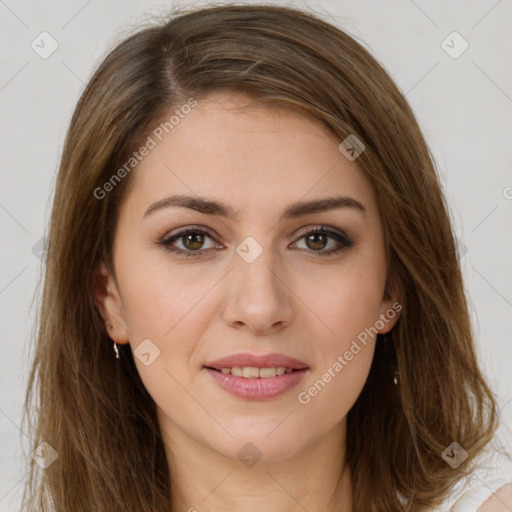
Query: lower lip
x,y
257,388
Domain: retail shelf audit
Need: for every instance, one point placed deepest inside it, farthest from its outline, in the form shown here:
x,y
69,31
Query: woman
x,y
252,295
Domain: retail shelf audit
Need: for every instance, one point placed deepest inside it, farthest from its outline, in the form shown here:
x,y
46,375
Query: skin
x,y
290,300
499,501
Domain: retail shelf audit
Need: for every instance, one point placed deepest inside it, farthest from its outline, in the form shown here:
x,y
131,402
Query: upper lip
x,y
257,361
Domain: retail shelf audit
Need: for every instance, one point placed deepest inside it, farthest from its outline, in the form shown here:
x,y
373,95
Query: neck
x,y
315,479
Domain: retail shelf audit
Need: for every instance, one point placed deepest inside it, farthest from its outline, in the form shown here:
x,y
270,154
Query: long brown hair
x,y
94,411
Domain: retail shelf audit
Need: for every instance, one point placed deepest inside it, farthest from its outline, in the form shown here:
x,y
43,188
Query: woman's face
x,y
255,283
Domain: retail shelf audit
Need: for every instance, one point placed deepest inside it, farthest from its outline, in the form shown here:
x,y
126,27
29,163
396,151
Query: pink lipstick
x,y
257,377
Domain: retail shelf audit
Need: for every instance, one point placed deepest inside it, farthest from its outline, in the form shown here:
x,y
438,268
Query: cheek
x,y
163,304
345,354
348,302
160,297
333,390
349,306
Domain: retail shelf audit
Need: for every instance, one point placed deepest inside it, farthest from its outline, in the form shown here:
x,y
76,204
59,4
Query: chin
x,y
259,443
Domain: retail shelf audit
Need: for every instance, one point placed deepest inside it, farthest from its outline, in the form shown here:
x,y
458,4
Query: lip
x,y
257,361
257,388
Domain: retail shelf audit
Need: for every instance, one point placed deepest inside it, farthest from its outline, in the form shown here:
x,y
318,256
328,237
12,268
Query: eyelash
x,y
341,238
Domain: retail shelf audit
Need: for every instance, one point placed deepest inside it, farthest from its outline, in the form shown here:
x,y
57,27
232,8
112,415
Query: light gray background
x,y
463,105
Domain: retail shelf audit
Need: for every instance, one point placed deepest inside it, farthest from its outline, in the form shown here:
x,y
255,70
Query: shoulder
x,y
500,501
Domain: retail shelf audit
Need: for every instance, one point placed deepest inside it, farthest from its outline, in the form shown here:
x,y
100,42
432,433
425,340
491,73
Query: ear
x,y
108,301
391,305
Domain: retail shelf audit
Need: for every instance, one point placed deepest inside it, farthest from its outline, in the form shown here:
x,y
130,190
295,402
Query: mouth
x,y
253,377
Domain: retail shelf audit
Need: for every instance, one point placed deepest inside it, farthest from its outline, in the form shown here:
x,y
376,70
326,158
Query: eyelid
x,y
304,231
179,232
323,227
191,227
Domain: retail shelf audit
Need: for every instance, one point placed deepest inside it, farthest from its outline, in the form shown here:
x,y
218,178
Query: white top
x,y
493,469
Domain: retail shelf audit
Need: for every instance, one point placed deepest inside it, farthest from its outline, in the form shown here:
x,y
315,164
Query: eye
x,y
192,240
317,240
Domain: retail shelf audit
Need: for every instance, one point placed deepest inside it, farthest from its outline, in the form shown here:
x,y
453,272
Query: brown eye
x,y
318,239
192,241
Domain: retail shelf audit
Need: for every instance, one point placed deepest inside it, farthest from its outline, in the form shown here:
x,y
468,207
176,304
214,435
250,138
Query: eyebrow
x,y
294,210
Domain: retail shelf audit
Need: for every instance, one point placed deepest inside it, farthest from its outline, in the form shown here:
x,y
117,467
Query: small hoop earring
x,y
116,350
395,378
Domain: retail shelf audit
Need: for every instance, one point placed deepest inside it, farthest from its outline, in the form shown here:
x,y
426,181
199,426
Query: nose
x,y
258,297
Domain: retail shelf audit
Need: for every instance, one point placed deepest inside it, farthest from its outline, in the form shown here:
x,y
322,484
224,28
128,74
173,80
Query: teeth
x,y
251,372
265,373
237,371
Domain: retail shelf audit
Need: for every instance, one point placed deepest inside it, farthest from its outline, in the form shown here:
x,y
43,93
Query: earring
x,y
396,373
116,350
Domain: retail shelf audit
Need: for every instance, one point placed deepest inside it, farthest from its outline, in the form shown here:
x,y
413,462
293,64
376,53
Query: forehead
x,y
246,156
